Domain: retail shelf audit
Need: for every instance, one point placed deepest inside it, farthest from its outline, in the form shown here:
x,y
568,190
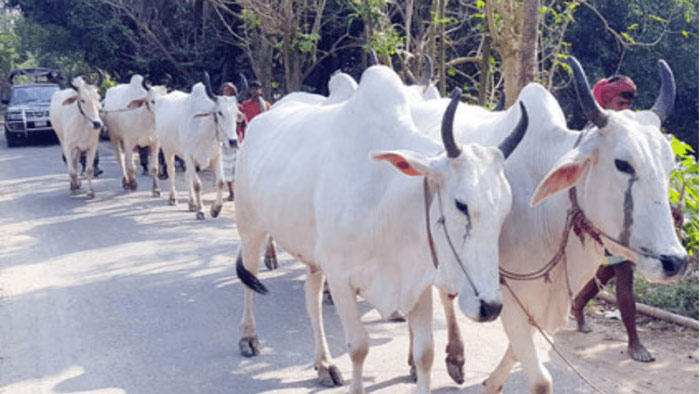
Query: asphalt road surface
x,y
126,294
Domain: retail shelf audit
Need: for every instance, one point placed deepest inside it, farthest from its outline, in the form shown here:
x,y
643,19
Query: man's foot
x,y
581,321
639,353
230,197
97,172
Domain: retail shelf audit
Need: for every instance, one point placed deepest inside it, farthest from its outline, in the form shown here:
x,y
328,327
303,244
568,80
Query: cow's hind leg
x,y
220,184
356,335
455,346
420,321
153,161
129,148
328,374
247,264
194,188
119,155
270,254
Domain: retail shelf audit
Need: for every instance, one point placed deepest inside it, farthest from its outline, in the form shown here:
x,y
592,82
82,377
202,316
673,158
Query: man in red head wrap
x,y
615,93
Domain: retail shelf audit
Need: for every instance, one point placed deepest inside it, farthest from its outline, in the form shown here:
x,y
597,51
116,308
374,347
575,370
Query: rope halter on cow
x,y
427,198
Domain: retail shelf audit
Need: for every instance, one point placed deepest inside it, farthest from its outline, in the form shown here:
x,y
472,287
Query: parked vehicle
x,y
27,113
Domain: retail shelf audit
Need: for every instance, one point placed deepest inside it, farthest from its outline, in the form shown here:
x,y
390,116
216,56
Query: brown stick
x,y
653,311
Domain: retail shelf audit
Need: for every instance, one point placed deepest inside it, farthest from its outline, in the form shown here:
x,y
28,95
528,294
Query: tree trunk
x,y
485,69
528,45
510,63
441,57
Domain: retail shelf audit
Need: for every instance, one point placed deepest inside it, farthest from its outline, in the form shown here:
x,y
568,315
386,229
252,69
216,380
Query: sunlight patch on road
x,y
47,384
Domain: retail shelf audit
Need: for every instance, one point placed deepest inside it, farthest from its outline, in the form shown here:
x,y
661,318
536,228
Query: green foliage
x,y
684,184
306,42
680,298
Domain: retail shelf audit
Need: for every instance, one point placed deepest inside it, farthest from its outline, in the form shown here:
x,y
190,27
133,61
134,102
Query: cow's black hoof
x,y
249,346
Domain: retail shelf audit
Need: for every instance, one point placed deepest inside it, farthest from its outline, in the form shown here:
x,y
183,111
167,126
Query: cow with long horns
x,y
196,126
606,188
304,177
129,115
74,114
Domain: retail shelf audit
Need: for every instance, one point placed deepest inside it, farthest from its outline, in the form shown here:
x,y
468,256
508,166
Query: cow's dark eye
x,y
221,113
462,207
624,166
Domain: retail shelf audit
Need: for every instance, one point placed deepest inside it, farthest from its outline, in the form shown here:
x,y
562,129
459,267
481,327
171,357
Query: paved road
x,y
125,294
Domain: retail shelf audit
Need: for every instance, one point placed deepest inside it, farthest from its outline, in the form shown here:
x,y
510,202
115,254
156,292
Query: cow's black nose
x,y
674,265
233,143
488,312
96,124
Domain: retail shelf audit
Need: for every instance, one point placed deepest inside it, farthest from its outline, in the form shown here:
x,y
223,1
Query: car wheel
x,y
11,139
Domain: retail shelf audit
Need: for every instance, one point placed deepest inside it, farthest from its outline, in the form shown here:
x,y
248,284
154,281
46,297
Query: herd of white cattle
x,y
386,189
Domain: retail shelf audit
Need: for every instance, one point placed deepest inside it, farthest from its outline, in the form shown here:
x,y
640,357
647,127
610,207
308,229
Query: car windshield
x,y
32,94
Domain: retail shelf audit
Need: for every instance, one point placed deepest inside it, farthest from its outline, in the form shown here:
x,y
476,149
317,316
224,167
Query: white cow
x,y
340,87
196,126
304,177
618,172
74,115
129,116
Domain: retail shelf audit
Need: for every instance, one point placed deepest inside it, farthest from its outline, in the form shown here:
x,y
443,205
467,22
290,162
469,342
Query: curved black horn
x,y
448,138
244,87
588,104
207,84
508,145
70,81
145,84
100,77
663,106
427,72
373,58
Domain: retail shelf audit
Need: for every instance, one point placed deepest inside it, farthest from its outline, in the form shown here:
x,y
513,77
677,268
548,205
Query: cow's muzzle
x,y
233,143
489,311
96,124
674,265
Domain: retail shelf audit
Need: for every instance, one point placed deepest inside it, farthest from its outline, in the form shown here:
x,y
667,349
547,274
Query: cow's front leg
x,y
170,164
455,346
219,172
70,156
90,170
328,374
356,335
521,337
153,161
494,384
420,321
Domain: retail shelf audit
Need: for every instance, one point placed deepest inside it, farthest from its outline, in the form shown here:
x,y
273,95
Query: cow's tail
x,y
248,278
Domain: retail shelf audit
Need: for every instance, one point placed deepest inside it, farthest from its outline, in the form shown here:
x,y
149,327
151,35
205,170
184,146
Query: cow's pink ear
x,y
399,162
70,100
136,103
563,177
